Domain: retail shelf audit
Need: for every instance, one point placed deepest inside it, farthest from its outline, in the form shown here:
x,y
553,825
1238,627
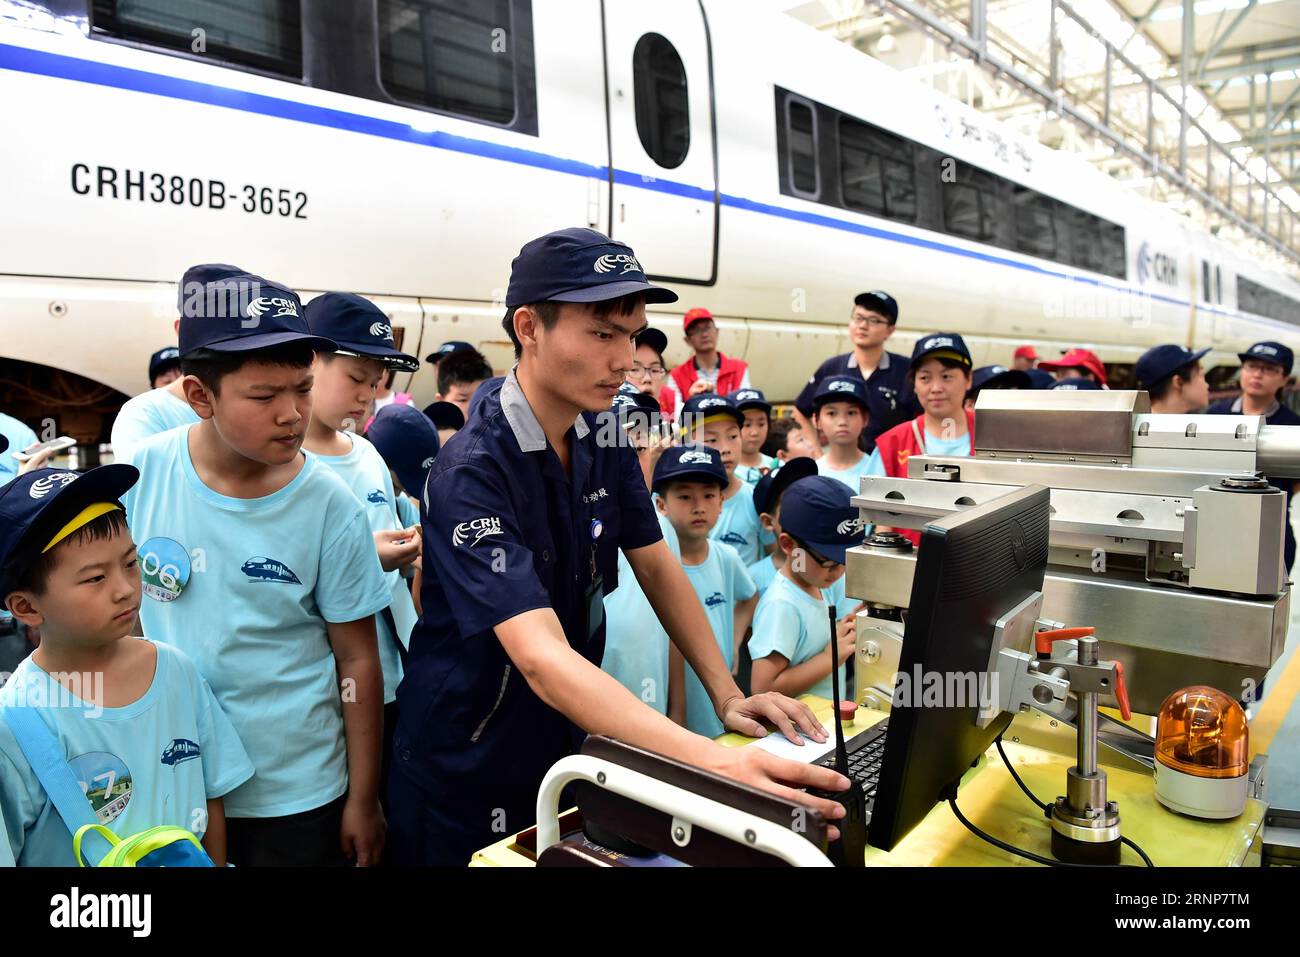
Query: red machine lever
x,y
1043,640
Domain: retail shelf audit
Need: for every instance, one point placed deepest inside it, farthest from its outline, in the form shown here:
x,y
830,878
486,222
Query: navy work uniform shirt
x,y
1279,414
507,531
889,394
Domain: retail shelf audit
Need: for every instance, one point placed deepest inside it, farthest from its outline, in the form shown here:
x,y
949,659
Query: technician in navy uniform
x,y
1265,367
523,514
889,394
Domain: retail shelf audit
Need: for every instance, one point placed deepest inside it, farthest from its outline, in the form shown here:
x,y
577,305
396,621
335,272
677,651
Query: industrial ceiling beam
x,y
1218,41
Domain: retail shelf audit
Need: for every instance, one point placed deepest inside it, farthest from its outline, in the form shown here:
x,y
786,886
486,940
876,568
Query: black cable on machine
x,y
1028,854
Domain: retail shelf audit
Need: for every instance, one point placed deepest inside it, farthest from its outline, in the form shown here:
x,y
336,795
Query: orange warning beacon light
x,y
1202,753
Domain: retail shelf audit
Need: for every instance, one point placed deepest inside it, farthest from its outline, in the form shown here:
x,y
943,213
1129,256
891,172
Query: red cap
x,y
1026,352
693,316
1077,358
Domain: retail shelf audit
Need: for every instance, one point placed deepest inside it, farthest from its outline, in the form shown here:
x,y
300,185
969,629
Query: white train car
x,y
405,149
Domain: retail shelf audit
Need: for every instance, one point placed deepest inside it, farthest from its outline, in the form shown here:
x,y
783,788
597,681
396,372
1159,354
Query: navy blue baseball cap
x,y
654,338
816,511
193,285
1161,361
690,463
878,301
1273,352
39,508
1038,379
747,399
244,312
446,349
408,441
941,345
578,265
1077,384
1000,377
841,388
767,493
445,415
358,328
162,360
699,410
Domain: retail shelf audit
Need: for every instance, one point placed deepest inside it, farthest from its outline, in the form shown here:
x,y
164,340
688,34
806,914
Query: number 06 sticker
x,y
164,568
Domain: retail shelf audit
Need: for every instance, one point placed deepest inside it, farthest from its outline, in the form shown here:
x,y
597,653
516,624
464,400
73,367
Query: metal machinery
x,y
1165,540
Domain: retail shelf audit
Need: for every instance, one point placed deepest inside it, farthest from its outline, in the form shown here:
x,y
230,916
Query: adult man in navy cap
x,y
524,514
1265,368
1173,377
889,393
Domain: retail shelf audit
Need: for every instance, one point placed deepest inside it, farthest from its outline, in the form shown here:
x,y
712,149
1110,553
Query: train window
x,y
876,171
1262,301
1205,282
1084,231
1114,259
264,34
663,117
970,202
1218,285
454,56
801,148
1035,231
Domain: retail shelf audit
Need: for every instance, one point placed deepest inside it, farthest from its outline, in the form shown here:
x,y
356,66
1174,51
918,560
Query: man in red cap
x,y
1077,364
706,371
1024,359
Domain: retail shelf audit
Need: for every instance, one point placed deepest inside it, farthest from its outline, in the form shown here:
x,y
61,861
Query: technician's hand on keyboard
x,y
745,716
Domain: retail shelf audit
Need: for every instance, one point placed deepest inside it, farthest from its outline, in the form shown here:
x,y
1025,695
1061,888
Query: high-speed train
x,y
406,149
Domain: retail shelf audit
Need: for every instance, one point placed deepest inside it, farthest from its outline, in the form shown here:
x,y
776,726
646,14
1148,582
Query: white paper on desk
x,y
778,744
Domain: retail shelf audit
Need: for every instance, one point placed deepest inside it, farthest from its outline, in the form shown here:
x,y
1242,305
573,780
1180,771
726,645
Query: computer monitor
x,y
973,567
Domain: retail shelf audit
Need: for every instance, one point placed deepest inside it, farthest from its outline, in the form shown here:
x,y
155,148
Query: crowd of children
x,y
277,591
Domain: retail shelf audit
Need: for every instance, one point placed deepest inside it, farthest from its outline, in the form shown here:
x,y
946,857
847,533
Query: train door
x,y
663,153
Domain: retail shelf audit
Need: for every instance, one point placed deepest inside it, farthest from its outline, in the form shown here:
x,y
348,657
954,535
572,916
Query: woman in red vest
x,y
940,372
706,371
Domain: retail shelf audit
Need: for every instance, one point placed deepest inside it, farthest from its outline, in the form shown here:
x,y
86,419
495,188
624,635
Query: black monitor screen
x,y
973,567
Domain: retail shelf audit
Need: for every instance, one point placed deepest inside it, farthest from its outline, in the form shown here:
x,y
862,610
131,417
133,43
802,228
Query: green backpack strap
x,y
103,832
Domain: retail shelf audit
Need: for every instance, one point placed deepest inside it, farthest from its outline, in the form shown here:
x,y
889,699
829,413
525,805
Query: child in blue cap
x,y
841,413
688,485
132,720
713,420
788,647
276,583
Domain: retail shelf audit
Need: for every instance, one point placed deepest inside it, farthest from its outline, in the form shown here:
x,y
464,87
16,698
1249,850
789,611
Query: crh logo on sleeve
x,y
611,261
44,486
261,306
381,329
480,528
427,462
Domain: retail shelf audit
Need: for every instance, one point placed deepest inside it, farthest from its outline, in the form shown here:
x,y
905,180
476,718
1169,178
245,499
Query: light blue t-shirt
x,y
959,446
764,572
262,577
738,525
851,476
155,761
750,474
636,644
720,581
364,471
408,512
20,437
145,416
792,623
